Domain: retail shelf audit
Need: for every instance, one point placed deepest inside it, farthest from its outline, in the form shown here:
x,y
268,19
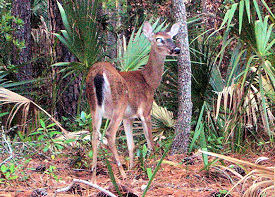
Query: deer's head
x,y
162,41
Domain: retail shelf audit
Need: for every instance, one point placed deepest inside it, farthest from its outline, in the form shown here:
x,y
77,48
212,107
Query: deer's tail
x,y
99,88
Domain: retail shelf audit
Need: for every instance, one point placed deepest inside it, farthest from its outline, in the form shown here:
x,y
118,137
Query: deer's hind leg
x,y
111,137
96,122
95,84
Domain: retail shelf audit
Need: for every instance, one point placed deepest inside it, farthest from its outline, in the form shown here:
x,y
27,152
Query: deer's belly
x,y
130,112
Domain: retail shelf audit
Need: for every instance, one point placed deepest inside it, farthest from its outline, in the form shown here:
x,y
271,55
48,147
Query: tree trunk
x,y
22,10
113,24
181,141
65,92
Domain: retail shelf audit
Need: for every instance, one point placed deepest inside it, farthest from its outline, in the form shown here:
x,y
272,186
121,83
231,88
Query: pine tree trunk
x,y
111,14
181,141
22,10
65,93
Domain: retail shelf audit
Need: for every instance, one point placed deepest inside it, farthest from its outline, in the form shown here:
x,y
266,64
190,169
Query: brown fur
x,y
128,96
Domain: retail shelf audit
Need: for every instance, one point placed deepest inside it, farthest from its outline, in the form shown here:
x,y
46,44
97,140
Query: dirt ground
x,y
174,178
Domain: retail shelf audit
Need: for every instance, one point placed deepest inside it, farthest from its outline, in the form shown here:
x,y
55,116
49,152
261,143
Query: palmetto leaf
x,y
163,116
199,133
245,99
246,106
264,184
64,18
136,53
263,33
250,82
23,104
8,97
243,5
241,10
11,84
81,33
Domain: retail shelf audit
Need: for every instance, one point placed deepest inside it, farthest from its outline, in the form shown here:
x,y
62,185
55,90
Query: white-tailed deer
x,y
124,96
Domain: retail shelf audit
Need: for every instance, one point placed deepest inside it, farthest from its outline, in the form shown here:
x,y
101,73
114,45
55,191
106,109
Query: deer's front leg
x,y
128,128
147,128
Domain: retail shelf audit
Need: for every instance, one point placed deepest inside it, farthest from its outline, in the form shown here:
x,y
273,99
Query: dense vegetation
x,y
232,55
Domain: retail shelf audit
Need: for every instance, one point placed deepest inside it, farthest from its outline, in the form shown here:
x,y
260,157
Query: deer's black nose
x,y
176,50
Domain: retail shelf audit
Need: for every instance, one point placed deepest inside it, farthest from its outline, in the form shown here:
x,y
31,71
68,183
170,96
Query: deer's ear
x,y
148,30
174,29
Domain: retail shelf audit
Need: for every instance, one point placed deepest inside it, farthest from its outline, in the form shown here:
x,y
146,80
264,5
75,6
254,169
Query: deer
x,y
125,96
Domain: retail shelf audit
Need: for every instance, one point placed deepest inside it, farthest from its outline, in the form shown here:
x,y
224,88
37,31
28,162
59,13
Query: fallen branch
x,y
65,189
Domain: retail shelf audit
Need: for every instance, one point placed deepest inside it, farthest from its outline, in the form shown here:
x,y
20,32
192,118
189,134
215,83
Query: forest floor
x,y
175,178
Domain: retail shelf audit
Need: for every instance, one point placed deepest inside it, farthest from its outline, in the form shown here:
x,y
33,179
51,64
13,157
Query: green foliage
x,y
8,26
8,45
46,134
149,172
222,193
3,114
243,104
84,120
205,135
245,10
8,172
136,54
80,35
142,154
51,172
111,173
204,72
250,70
199,134
38,8
264,41
152,176
215,143
81,122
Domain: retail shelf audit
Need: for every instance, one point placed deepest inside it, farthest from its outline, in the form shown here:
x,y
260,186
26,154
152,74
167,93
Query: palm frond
x,y
81,33
163,116
264,177
136,52
263,32
23,104
241,107
9,97
245,9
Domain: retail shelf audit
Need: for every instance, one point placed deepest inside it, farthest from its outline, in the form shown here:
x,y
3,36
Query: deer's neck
x,y
154,69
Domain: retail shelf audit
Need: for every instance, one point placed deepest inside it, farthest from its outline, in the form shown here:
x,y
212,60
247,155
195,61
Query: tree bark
x,y
65,92
22,10
113,33
181,141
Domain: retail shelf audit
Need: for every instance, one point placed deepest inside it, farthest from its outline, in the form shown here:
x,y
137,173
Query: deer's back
x,y
127,88
114,90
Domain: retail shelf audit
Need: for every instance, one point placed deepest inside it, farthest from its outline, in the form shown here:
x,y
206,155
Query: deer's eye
x,y
159,40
